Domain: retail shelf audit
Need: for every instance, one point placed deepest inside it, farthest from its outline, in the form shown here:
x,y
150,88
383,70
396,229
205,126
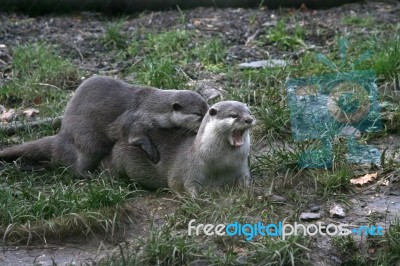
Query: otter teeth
x,y
236,140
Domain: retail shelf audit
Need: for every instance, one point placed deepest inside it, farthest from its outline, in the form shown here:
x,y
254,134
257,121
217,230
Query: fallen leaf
x,y
30,112
371,250
37,100
337,211
7,116
239,251
364,179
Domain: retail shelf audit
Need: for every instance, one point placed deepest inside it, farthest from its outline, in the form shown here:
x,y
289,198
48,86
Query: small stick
x,y
12,128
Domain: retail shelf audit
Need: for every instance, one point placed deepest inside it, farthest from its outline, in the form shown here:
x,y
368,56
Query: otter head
x,y
188,109
231,119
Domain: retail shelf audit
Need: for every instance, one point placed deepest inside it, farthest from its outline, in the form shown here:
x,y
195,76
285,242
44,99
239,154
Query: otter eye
x,y
212,111
233,116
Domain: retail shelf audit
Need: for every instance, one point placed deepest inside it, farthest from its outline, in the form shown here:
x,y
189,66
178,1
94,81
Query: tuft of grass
x,y
387,61
114,37
35,200
349,250
209,52
40,62
264,90
389,254
284,38
161,73
358,20
332,183
164,56
174,44
39,78
170,244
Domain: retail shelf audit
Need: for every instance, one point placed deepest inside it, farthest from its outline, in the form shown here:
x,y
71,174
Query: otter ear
x,y
176,107
212,111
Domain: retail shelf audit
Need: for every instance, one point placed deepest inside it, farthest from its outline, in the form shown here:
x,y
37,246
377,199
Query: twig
x,y
49,85
12,128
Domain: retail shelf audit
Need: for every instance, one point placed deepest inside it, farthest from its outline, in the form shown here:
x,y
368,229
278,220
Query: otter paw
x,y
147,146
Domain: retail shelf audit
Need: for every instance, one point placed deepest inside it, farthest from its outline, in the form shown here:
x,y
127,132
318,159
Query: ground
x,y
48,217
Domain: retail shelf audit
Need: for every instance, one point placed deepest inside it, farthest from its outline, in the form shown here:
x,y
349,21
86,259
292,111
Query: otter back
x,y
104,110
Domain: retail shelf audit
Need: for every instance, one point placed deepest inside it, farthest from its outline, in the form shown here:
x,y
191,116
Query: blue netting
x,y
322,106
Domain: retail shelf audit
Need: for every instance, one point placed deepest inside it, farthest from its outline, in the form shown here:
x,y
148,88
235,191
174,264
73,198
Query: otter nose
x,y
248,120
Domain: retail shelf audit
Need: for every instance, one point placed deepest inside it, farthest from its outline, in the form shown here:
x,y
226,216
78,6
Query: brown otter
x,y
103,110
217,155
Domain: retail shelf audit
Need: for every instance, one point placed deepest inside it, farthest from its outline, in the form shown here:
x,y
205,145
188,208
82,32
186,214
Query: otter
x,y
217,155
104,110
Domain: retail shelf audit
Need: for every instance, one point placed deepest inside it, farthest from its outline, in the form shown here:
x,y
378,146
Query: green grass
x,y
51,203
114,37
389,252
166,58
39,199
40,77
209,52
387,59
285,38
349,249
170,244
161,73
358,20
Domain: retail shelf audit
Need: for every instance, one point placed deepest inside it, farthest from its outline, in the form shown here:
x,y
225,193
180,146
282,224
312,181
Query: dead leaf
x,y
37,100
7,116
371,250
30,112
364,179
239,251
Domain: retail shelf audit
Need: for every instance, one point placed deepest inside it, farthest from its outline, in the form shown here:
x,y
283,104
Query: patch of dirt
x,y
77,36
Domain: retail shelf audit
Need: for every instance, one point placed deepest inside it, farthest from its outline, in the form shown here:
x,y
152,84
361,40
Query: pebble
x,y
315,209
277,198
337,211
264,63
310,216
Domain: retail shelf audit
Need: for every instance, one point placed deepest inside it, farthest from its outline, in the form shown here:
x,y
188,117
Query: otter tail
x,y
35,151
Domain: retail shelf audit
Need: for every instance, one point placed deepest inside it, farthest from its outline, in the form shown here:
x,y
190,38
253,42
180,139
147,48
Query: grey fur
x,y
191,162
103,110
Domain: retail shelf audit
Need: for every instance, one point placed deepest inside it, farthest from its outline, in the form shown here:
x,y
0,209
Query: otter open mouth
x,y
236,139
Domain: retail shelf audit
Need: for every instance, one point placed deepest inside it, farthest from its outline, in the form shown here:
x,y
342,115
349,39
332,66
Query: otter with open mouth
x,y
217,156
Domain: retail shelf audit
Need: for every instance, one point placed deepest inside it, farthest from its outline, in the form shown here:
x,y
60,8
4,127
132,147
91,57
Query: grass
x,y
390,244
283,37
50,203
164,57
40,78
113,37
358,20
56,202
171,245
